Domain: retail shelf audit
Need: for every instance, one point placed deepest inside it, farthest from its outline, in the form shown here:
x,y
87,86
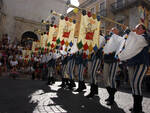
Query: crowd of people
x,y
14,65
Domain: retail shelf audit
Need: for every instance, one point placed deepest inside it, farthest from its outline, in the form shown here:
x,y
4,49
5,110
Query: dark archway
x,y
28,37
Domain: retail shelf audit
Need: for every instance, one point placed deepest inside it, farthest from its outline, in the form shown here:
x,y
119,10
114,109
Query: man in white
x,y
111,64
135,52
95,64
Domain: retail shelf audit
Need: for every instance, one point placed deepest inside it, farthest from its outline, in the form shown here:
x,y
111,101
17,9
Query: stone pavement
x,y
27,96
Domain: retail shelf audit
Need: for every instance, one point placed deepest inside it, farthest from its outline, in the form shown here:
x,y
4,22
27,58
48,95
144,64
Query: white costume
x,y
133,45
113,44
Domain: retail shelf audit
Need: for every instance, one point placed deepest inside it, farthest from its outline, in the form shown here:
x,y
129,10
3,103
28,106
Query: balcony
x,y
87,3
124,4
102,12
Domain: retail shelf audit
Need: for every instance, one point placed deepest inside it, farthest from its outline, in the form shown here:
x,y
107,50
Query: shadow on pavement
x,y
15,95
78,103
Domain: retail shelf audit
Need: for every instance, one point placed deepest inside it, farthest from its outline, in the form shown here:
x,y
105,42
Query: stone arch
x,y
28,37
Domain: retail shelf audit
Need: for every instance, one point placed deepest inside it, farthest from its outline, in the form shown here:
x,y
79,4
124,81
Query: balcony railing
x,y
87,3
102,12
120,5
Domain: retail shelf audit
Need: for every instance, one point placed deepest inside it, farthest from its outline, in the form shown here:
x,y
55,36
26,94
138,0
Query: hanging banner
x,y
66,30
89,31
43,40
53,32
35,46
26,54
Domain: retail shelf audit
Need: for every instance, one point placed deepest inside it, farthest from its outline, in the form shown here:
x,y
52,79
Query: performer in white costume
x,y
135,52
111,64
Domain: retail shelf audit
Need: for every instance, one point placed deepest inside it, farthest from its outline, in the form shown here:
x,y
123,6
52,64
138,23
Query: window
x,y
102,6
102,9
119,3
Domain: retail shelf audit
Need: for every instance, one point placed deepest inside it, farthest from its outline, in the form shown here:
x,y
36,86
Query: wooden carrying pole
x,y
57,14
105,18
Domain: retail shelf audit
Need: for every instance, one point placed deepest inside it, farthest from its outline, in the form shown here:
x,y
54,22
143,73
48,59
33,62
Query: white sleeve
x,y
134,45
110,45
101,41
121,44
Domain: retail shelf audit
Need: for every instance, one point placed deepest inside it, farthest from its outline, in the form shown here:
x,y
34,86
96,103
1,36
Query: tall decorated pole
x,y
89,30
53,32
43,41
35,46
26,55
66,31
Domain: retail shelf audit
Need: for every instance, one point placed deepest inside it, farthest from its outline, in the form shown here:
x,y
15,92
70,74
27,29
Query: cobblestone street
x,y
27,96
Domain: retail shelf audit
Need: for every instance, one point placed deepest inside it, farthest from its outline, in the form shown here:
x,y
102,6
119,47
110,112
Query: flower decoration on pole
x,y
62,17
66,18
98,18
84,12
55,26
74,21
89,14
94,16
75,10
70,20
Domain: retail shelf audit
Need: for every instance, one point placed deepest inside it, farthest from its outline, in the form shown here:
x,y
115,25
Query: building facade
x,y
2,17
123,11
20,16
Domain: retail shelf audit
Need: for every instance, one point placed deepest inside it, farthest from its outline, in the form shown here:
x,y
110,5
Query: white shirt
x,y
101,41
56,55
13,63
37,59
133,45
30,69
20,57
113,44
74,48
43,59
49,56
